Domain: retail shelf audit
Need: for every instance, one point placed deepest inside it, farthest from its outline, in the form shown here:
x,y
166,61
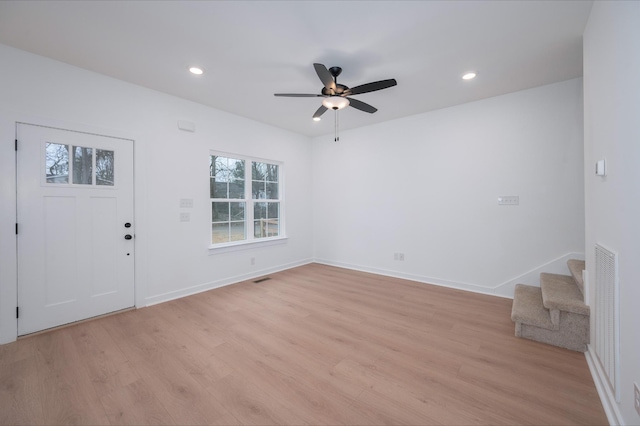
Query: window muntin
x,y
266,220
236,205
264,186
264,181
227,177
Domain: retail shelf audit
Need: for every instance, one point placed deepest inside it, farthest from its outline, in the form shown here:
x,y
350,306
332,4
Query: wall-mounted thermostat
x,y
601,168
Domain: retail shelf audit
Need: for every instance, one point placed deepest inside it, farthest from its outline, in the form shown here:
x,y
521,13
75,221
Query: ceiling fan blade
x,y
298,95
361,106
372,87
325,77
320,111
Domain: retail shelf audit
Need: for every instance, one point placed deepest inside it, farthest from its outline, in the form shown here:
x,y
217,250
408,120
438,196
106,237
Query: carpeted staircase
x,y
555,312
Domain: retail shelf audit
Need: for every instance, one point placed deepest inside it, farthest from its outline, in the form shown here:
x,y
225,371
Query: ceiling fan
x,y
337,96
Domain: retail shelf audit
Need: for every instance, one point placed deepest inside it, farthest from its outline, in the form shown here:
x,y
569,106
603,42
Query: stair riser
x,y
573,333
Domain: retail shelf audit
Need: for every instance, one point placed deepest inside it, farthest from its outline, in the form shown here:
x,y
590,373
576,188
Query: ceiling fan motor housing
x,y
338,91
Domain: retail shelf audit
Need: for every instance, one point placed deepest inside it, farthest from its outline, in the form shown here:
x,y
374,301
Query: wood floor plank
x,y
18,382
249,400
66,391
108,368
420,393
135,404
312,345
173,385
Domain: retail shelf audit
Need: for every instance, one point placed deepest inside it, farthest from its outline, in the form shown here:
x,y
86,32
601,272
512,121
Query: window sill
x,y
244,245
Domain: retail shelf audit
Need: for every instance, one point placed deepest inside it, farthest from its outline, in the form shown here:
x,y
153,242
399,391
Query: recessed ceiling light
x,y
196,70
316,119
469,76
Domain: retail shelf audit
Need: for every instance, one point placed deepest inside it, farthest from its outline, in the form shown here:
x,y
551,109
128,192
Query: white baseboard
x,y
604,392
505,289
172,295
411,277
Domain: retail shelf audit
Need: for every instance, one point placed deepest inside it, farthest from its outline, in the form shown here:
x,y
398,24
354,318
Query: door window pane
x,y
57,163
104,167
82,165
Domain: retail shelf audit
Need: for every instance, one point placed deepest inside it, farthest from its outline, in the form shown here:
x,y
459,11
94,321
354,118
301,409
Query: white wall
x,y
172,258
445,168
612,132
427,186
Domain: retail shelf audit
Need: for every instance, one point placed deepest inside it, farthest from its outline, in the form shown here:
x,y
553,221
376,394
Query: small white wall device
x,y
601,168
186,125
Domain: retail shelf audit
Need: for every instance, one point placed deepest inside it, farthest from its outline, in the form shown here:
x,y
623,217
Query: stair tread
x,y
561,292
529,309
576,267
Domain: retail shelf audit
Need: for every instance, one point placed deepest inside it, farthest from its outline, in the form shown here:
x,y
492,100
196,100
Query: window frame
x,y
249,203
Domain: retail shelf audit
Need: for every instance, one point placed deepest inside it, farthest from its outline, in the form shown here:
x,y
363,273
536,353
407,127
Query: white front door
x,y
75,226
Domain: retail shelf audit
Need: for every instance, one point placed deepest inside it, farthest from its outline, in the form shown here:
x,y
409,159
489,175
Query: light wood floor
x,y
312,345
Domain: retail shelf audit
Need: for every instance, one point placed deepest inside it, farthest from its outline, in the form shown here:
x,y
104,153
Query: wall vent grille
x,y
607,335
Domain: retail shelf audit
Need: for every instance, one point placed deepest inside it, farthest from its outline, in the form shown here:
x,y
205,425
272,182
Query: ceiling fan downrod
x,y
335,72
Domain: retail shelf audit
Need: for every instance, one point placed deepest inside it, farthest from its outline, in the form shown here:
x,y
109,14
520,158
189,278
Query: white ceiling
x,y
253,49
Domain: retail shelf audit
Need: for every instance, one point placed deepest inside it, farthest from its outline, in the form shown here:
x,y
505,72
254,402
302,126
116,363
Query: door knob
x,y
128,237
127,225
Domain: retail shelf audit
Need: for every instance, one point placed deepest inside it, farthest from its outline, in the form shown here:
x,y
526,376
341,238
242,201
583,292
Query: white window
x,y
246,199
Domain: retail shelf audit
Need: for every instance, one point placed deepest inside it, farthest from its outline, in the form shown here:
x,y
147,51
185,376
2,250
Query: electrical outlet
x,y
636,397
401,257
185,217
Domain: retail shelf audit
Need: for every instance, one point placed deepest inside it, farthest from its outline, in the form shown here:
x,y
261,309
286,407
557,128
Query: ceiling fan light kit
x,y
336,96
335,102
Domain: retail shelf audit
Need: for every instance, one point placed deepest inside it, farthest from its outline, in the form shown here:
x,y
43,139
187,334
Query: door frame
x,y
8,212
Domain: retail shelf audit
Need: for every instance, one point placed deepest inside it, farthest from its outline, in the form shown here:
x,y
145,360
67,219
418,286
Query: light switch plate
x,y
186,203
509,200
185,217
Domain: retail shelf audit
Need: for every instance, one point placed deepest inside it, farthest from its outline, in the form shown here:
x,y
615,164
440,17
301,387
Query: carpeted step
x,y
576,267
528,308
560,292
